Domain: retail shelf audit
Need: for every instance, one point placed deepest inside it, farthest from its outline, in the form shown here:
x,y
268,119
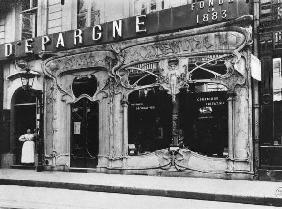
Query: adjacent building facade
x,y
270,55
153,87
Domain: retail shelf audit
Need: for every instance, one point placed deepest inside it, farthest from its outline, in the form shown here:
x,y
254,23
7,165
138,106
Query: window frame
x,y
32,10
88,14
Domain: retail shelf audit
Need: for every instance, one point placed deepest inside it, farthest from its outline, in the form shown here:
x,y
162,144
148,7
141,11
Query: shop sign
x,y
174,19
211,99
142,106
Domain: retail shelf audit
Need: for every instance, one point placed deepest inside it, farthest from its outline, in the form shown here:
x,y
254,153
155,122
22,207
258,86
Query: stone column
x,y
241,125
104,137
116,139
230,101
124,104
61,130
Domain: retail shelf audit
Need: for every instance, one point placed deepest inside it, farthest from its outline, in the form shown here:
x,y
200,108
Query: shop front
x,y
172,104
157,100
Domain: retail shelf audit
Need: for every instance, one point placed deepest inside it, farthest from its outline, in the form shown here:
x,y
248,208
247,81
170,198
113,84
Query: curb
x,y
149,192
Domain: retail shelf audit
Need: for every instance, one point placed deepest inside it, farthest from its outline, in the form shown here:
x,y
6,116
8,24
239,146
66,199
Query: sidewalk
x,y
239,191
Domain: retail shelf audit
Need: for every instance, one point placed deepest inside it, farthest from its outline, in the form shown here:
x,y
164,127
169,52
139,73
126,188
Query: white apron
x,y
28,148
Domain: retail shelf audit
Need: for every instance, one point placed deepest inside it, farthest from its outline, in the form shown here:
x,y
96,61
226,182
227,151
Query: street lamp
x,y
27,79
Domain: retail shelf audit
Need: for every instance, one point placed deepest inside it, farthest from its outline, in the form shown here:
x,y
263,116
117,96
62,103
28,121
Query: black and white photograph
x,y
144,104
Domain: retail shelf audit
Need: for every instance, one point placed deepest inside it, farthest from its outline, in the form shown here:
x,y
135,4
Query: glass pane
x,y
153,5
277,101
149,120
84,85
21,96
81,20
81,6
85,133
205,109
95,17
28,25
277,80
25,4
143,9
35,3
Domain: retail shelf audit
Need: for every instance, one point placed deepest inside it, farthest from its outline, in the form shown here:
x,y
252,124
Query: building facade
x,y
270,55
153,87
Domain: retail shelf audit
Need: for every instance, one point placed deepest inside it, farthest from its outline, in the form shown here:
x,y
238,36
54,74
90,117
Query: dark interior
x,y
85,134
24,117
84,85
149,120
203,117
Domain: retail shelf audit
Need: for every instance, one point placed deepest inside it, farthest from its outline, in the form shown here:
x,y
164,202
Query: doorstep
x,y
25,167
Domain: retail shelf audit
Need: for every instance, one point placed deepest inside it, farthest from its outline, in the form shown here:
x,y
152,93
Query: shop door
x,y
85,134
24,117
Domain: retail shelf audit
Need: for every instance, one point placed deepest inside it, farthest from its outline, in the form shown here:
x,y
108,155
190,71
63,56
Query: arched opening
x,y
84,124
149,120
84,85
23,117
203,116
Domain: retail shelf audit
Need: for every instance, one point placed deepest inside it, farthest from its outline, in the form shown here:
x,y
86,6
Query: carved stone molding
x,y
178,160
221,42
96,63
63,65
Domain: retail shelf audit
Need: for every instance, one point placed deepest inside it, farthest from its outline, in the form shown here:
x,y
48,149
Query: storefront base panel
x,y
7,160
156,172
270,175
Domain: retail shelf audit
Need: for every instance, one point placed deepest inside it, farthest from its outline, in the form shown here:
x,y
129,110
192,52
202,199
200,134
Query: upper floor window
x,y
277,78
2,30
153,5
163,4
277,101
29,18
87,14
143,9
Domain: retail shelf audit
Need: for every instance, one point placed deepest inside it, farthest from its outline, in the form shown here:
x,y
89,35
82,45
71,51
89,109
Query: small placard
x,y
76,127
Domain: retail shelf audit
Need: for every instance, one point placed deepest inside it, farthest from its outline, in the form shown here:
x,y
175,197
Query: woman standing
x,y
28,147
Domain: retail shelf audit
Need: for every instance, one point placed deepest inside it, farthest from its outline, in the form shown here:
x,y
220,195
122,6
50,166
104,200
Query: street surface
x,y
20,197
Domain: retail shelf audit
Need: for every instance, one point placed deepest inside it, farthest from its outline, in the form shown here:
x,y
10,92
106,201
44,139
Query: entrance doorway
x,y
23,118
84,134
